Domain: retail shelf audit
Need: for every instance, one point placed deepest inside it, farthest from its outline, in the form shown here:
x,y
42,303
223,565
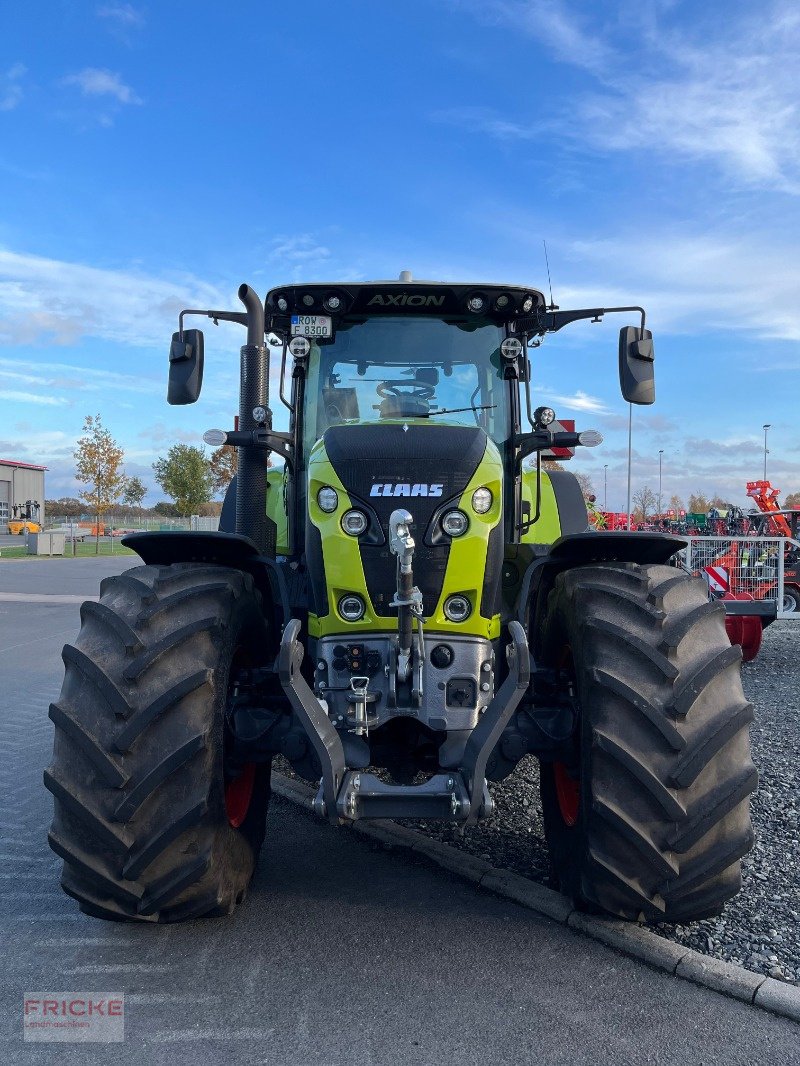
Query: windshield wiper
x,y
458,410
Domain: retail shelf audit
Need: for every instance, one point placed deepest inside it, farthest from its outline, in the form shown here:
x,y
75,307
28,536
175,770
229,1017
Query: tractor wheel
x,y
791,600
649,817
153,820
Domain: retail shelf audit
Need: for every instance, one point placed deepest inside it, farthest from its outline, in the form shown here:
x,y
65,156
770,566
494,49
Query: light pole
x,y
766,427
660,453
605,486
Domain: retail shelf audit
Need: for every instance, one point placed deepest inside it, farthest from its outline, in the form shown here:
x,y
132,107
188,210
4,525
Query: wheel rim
x,y
568,793
568,789
240,778
239,793
789,603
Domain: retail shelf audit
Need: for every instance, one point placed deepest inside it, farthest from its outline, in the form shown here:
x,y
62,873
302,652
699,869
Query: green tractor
x,y
403,602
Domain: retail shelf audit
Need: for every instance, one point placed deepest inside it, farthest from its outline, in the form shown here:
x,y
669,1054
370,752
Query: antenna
x,y
553,306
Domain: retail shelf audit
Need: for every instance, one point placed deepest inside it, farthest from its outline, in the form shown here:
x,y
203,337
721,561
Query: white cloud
x,y
55,377
31,397
723,91
578,401
300,249
484,120
92,81
693,283
10,87
61,302
124,14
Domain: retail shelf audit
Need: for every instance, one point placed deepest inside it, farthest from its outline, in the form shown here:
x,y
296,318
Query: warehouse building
x,y
21,488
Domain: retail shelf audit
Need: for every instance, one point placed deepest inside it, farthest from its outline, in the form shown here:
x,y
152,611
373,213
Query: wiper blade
x,y
458,410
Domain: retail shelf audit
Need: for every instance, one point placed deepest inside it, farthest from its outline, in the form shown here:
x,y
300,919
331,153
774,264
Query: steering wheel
x,y
391,389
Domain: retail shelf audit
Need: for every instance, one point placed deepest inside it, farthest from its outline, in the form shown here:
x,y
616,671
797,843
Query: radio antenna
x,y
553,306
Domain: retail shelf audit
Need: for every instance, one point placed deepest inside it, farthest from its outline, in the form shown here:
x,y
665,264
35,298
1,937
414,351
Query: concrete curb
x,y
637,941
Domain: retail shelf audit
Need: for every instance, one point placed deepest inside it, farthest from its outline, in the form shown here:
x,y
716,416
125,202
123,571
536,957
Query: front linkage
x,y
457,796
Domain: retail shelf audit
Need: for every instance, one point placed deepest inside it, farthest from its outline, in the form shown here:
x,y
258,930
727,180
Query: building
x,y
21,484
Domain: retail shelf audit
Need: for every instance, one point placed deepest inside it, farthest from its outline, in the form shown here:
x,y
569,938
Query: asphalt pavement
x,y
344,952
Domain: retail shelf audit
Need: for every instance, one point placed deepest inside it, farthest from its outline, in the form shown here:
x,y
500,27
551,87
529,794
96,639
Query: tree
x,y
645,502
792,501
223,465
166,510
185,476
584,480
98,461
676,503
134,492
698,504
66,506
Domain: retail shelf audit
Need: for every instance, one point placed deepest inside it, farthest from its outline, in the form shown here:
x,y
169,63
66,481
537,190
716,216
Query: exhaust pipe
x,y
251,483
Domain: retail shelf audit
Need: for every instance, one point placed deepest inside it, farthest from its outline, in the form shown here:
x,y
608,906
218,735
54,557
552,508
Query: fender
x,y
218,549
580,549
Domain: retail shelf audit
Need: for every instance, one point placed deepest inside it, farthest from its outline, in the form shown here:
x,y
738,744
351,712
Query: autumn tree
x,y
792,501
676,503
134,492
645,502
185,476
98,464
584,480
222,465
698,503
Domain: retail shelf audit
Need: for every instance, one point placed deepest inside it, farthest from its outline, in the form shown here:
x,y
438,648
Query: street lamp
x,y
605,486
766,427
660,453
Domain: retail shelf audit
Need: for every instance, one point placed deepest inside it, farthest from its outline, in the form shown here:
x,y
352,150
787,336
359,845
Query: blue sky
x,y
154,156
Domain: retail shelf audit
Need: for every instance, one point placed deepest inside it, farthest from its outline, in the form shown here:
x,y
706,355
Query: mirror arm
x,y
216,316
268,439
552,321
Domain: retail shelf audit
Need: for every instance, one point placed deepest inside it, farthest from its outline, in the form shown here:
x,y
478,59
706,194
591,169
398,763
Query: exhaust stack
x,y
251,484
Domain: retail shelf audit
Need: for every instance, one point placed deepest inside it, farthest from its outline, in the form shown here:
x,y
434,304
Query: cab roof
x,y
442,298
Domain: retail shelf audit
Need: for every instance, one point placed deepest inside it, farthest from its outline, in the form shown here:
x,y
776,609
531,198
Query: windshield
x,y
402,367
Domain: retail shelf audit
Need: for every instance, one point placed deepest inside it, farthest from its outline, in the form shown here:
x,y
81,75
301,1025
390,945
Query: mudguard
x,y
578,549
217,549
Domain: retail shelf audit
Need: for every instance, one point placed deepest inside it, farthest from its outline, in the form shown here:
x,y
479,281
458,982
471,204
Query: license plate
x,y
312,326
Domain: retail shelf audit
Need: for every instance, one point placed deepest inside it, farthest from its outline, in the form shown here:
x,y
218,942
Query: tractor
x,y
403,603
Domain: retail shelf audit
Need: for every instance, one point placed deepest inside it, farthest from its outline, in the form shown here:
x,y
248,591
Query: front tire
x,y
140,765
649,818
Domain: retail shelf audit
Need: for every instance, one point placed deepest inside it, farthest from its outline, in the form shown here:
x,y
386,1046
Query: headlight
x,y
354,523
476,304
332,302
351,607
543,416
454,523
457,608
328,499
283,304
482,500
527,304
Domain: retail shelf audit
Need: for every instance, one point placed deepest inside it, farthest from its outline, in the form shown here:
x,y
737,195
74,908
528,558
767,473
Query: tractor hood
x,y
429,469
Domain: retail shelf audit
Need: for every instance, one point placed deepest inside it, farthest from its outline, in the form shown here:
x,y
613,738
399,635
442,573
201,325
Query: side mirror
x,y
637,377
185,367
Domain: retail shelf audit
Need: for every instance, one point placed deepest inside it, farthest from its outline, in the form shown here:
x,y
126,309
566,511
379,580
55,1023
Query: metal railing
x,y
761,568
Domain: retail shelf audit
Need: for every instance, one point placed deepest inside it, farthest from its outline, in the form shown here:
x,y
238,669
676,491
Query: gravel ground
x,y
760,929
